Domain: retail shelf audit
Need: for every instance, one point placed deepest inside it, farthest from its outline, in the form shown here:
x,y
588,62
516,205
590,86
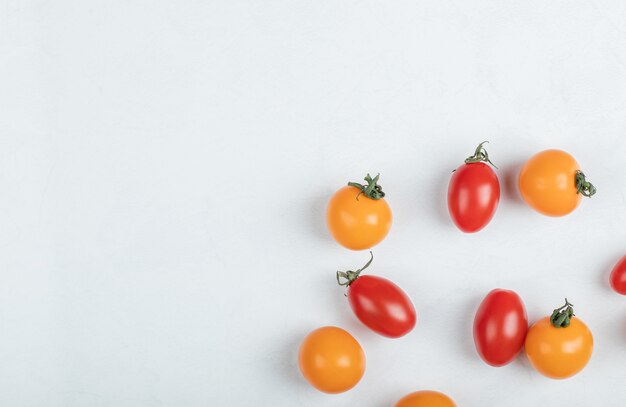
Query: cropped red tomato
x,y
473,192
618,276
500,327
378,303
559,346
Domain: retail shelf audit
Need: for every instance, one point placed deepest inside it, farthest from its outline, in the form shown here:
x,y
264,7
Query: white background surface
x,y
165,166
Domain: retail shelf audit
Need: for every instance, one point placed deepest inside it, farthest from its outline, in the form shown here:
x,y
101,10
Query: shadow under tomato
x,y
317,215
467,328
287,363
440,200
510,175
605,274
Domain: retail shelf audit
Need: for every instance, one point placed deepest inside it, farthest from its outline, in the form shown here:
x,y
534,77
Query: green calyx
x,y
345,278
583,186
480,155
562,317
372,190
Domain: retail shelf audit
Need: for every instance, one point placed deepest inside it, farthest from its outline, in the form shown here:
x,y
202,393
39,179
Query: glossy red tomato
x,y
473,193
500,327
378,303
618,276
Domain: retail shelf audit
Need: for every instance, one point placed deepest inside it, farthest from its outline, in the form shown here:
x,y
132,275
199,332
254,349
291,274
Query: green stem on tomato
x,y
349,276
372,190
480,155
562,317
583,186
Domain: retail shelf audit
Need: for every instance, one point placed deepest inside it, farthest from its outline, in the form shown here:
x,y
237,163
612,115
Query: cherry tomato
x,y
331,360
358,217
473,192
425,398
500,327
618,277
378,303
559,346
552,183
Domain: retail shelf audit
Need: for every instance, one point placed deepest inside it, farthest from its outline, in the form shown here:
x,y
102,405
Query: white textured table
x,y
165,165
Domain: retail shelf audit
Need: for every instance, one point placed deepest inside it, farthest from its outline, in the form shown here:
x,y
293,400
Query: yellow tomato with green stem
x,y
552,183
358,217
559,346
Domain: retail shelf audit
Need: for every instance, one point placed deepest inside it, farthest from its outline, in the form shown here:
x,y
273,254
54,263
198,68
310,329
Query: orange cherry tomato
x,y
358,216
331,360
425,398
552,183
559,346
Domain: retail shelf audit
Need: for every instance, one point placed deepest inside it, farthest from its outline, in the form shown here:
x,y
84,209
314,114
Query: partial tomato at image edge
x,y
618,277
358,216
378,303
425,398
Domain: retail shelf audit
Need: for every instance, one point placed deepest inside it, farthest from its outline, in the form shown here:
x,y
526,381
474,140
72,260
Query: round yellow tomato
x,y
331,360
358,217
425,398
551,183
559,351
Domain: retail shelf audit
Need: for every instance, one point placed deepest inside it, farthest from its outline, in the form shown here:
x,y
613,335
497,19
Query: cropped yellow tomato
x,y
358,216
552,183
559,346
331,360
425,398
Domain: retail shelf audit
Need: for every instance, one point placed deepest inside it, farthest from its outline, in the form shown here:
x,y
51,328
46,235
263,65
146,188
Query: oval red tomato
x,y
500,327
473,193
378,303
618,277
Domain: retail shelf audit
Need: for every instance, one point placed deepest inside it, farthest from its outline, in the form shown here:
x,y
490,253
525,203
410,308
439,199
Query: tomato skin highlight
x,y
547,183
618,277
425,398
559,353
382,306
500,327
357,224
331,360
473,196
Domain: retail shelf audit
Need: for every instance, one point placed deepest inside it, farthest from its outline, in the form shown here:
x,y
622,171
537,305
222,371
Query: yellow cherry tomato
x,y
425,398
331,360
358,217
551,183
559,351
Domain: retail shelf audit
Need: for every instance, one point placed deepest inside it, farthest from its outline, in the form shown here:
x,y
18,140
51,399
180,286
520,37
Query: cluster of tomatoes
x,y
358,217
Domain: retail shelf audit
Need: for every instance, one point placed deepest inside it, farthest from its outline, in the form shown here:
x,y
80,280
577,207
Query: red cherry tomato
x,y
473,192
378,303
500,327
618,276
